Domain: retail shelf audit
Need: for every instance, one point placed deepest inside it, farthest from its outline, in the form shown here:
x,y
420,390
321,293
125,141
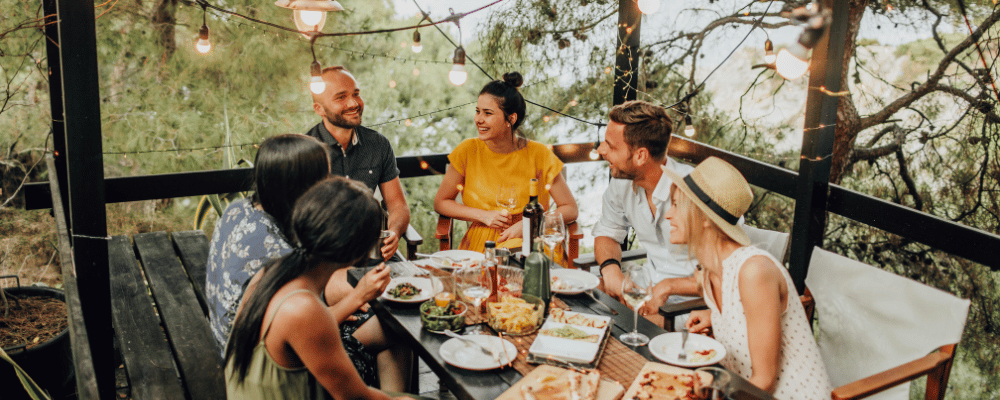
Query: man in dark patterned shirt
x,y
357,152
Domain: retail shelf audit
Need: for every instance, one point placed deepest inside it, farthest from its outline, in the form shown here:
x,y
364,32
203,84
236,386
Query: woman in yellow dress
x,y
480,166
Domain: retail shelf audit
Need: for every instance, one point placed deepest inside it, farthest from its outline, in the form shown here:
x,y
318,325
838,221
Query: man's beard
x,y
339,121
627,172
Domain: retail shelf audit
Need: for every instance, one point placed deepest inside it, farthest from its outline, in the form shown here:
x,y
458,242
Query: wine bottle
x,y
490,263
531,219
536,275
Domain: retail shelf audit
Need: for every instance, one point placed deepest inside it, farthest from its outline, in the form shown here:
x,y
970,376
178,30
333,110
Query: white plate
x,y
667,346
424,284
573,281
468,356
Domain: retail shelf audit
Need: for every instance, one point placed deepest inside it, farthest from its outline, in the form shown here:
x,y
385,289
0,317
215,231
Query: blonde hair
x,y
697,229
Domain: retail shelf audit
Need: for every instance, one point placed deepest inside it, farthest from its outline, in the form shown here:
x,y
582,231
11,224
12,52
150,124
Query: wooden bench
x,y
160,316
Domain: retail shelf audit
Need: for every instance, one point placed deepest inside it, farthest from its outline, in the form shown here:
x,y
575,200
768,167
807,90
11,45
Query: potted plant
x,y
35,335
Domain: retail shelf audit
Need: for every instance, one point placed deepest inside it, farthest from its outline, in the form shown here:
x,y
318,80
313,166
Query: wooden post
x,y
817,143
627,51
81,130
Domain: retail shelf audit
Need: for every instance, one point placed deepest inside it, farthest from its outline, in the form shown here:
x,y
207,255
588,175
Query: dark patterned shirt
x,y
368,158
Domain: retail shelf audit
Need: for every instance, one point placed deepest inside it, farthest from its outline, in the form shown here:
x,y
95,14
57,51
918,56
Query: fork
x,y
480,346
682,356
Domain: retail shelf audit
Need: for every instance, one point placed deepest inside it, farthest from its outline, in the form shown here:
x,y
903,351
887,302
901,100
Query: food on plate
x,y
570,332
569,385
437,319
697,356
578,319
405,291
656,385
514,315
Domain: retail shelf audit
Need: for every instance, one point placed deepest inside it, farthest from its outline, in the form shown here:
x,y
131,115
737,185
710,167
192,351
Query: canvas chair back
x,y
773,242
871,320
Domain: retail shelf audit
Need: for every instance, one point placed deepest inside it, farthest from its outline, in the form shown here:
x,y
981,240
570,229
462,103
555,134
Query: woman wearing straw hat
x,y
754,309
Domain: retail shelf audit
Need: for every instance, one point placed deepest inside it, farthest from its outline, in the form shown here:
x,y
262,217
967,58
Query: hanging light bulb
x,y
649,6
769,56
457,76
594,155
416,42
316,84
203,45
688,126
792,62
309,15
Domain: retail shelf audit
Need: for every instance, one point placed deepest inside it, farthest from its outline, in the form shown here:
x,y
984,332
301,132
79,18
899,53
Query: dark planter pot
x,y
49,364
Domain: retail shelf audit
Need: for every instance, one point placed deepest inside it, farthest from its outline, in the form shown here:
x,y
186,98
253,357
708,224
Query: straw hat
x,y
720,191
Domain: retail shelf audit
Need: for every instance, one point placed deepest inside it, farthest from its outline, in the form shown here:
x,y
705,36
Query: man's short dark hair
x,y
646,125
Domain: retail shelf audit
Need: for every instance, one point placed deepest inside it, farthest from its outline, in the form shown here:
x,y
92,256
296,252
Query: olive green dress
x,y
266,380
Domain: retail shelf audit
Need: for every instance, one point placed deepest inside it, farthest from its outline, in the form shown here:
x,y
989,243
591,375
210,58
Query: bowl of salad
x,y
439,319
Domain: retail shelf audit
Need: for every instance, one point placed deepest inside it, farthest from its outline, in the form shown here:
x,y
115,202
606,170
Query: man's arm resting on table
x,y
608,254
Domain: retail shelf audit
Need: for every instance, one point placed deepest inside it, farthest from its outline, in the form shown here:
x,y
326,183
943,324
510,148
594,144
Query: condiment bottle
x,y
536,275
490,263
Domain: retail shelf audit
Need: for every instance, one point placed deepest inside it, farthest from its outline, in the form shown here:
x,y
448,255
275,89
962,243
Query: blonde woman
x,y
754,309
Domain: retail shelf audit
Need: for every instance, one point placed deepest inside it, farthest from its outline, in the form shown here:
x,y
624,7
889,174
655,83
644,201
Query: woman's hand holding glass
x,y
495,219
636,289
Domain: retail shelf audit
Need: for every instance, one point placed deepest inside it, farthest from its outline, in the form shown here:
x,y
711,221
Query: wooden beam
x,y
627,52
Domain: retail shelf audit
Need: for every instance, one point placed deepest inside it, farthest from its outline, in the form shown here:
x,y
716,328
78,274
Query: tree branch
x,y
871,153
904,172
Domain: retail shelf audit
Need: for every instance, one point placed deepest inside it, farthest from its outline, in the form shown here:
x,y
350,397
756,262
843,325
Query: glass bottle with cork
x,y
490,263
531,220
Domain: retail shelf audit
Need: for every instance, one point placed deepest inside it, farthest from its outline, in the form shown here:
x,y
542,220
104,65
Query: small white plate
x,y
573,281
667,346
425,285
468,356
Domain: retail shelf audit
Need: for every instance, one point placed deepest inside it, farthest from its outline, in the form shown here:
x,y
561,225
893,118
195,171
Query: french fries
x,y
514,315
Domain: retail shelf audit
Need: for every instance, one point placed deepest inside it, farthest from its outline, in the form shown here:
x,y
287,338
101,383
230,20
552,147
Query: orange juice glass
x,y
442,299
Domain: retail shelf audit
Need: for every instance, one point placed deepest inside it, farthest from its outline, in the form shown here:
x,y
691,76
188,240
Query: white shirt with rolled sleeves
x,y
625,206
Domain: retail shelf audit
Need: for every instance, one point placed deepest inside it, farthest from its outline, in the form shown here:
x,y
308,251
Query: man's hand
x,y
495,219
660,292
514,231
699,321
389,245
613,278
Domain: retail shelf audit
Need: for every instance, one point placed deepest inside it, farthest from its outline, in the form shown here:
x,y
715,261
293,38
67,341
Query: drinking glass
x,y
474,285
507,197
553,234
716,389
637,289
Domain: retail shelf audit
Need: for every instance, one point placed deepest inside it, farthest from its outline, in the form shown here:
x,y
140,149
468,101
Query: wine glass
x,y
715,388
553,229
636,288
474,285
507,197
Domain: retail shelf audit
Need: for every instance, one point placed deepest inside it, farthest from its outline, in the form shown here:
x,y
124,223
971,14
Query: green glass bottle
x,y
536,275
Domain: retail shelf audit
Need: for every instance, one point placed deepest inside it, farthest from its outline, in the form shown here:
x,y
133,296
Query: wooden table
x,y
404,321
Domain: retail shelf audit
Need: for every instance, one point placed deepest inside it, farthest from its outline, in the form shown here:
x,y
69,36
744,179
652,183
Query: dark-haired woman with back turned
x,y
250,232
285,343
498,155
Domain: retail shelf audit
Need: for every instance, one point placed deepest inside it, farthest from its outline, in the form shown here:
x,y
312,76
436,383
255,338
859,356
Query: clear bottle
x,y
490,263
536,275
531,220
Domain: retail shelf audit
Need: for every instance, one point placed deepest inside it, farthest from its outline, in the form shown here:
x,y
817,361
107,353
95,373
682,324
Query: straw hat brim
x,y
733,231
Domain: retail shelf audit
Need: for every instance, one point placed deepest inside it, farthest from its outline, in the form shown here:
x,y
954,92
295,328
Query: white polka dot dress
x,y
801,373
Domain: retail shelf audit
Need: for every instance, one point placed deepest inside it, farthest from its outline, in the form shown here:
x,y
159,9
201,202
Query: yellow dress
x,y
484,172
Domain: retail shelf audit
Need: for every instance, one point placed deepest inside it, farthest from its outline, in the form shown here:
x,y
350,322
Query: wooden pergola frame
x,y
83,189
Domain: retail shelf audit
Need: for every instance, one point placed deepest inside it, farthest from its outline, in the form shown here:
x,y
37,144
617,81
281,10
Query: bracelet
x,y
609,262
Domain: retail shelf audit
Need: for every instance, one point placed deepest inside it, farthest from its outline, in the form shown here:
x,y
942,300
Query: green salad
x,y
438,319
404,291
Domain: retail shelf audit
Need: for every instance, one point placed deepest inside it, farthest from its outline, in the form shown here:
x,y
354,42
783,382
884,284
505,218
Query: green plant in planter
x,y
29,384
219,202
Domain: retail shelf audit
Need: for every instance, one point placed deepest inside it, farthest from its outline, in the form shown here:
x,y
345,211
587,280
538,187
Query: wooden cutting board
x,y
607,390
665,369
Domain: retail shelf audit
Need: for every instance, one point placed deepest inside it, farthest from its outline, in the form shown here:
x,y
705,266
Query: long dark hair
x,y
337,221
510,99
285,167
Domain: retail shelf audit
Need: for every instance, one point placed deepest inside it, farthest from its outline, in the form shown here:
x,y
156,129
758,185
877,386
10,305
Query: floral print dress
x,y
244,239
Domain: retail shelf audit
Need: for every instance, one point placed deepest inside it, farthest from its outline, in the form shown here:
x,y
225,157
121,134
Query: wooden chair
x,y
444,232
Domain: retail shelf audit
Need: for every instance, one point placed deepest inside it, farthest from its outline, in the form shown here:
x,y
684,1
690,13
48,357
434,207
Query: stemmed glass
x,y
474,285
507,197
636,288
553,229
714,389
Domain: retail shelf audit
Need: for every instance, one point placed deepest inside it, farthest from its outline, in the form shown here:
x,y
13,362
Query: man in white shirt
x,y
635,147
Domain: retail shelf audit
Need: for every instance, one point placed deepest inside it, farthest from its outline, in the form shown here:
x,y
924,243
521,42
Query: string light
x,y
203,45
573,103
309,15
594,154
688,126
649,6
316,84
417,47
769,56
457,75
793,61
392,84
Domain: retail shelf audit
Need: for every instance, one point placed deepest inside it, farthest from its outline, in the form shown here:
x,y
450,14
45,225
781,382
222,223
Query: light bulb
x,y
791,62
203,45
457,75
316,84
417,48
769,52
416,42
689,130
594,155
311,18
649,6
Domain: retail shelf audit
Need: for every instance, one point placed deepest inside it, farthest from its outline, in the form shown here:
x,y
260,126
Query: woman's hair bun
x,y
513,78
